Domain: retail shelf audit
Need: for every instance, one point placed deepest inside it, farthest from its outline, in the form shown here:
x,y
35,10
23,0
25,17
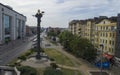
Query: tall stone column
x,y
38,16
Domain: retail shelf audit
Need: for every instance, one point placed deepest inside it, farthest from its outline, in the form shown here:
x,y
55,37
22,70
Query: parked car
x,y
35,40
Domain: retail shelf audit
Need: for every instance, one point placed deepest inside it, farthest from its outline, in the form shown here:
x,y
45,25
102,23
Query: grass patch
x,y
40,71
79,73
68,72
59,57
51,71
55,43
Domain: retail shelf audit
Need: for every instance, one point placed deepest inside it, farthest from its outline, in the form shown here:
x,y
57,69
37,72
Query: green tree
x,y
65,39
80,47
51,71
26,70
51,33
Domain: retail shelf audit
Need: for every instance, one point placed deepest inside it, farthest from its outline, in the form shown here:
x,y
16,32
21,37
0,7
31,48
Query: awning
x,y
108,56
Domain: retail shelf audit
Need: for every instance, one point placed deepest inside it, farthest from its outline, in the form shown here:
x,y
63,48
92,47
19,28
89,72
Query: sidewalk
x,y
15,43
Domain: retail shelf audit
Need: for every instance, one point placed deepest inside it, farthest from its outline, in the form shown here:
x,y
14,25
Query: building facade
x,y
99,30
106,35
28,31
74,27
90,29
117,51
81,28
12,24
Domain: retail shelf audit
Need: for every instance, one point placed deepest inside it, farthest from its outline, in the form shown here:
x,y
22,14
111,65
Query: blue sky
x,y
58,13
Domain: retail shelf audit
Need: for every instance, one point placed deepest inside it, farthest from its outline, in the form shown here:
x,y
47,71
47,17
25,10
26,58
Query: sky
x,y
58,13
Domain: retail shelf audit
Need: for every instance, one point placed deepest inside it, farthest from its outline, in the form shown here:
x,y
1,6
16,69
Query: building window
x,y
106,35
18,27
110,34
7,27
103,34
113,35
106,28
110,42
6,23
103,40
106,41
109,49
112,50
112,27
105,48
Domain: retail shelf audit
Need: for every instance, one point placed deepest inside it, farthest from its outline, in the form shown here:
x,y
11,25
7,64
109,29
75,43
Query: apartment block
x,y
117,50
74,27
99,30
90,29
12,24
77,27
106,34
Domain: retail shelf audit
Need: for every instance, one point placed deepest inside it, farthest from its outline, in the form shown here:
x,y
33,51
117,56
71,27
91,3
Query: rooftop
x,y
10,8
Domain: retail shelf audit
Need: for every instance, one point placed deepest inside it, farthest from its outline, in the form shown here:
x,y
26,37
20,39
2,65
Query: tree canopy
x,y
80,47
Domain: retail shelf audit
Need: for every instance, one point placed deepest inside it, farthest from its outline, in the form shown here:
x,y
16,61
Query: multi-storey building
x,y
106,34
90,29
28,31
81,28
117,50
101,30
12,24
77,27
74,27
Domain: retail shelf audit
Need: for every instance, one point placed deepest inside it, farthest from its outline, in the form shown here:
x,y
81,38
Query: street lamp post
x,y
38,15
101,46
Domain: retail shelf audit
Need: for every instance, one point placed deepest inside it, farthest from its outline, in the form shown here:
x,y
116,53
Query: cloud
x,y
58,13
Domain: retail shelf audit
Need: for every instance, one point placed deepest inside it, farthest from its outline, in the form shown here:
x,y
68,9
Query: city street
x,y
78,37
85,66
12,51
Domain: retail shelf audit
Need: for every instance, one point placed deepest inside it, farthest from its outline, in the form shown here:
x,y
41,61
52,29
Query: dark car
x,y
47,44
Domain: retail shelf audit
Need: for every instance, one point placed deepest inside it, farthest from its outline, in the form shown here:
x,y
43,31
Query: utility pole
x,y
101,46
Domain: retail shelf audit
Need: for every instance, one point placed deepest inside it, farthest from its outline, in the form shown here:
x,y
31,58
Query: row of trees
x,y
53,32
78,46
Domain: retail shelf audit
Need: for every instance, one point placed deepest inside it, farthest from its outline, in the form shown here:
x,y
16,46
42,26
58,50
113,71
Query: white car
x,y
35,40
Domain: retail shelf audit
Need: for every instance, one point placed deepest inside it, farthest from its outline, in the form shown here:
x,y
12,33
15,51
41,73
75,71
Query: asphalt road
x,y
8,53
